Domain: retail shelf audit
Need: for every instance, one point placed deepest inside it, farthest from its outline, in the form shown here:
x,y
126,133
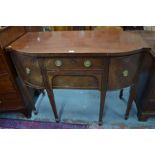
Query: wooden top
x,y
79,42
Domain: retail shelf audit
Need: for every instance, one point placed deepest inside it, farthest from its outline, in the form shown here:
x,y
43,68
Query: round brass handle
x,y
0,102
125,73
28,71
87,63
58,63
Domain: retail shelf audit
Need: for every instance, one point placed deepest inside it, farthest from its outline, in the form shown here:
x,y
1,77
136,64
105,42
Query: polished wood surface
x,y
30,64
122,71
79,42
118,60
103,60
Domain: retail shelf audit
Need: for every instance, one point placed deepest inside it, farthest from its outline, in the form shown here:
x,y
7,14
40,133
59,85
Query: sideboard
x,y
103,60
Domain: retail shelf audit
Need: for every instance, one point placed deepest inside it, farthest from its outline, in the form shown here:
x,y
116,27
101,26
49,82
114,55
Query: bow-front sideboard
x,y
103,60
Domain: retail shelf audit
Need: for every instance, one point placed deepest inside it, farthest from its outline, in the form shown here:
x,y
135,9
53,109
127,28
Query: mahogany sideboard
x,y
103,60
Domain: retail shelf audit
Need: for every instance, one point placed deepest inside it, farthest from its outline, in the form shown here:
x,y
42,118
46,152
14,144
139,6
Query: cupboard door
x,y
123,70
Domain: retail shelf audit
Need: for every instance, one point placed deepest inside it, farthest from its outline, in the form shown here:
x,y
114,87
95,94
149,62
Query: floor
x,y
82,106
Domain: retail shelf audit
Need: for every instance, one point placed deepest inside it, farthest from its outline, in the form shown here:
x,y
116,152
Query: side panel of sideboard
x,y
146,91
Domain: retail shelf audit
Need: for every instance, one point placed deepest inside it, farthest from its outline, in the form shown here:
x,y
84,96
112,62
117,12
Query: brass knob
x,y
125,73
87,63
28,71
58,63
0,102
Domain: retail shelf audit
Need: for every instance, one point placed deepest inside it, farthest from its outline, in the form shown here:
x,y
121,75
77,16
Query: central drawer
x,y
83,63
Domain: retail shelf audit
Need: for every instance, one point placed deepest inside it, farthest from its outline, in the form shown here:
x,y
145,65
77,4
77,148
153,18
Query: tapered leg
x,y
26,113
28,97
103,88
52,102
102,101
130,101
48,89
121,94
103,84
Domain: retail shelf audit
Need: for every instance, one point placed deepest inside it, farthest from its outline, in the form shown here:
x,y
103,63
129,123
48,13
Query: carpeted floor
x,y
78,109
27,124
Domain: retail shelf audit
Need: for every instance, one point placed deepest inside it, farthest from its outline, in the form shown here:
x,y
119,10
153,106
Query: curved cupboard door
x,y
122,71
28,69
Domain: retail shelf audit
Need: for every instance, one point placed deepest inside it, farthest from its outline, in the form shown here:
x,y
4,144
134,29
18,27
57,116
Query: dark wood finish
x,y
123,70
6,85
48,88
145,98
78,82
10,96
28,69
104,60
76,63
103,89
130,101
10,101
79,43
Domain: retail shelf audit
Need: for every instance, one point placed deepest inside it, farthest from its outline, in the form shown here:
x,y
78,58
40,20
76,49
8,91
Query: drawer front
x,y
74,63
74,82
10,101
3,68
28,69
6,84
122,71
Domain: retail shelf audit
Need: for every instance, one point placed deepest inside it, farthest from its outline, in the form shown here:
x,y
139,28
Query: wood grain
x,y
79,42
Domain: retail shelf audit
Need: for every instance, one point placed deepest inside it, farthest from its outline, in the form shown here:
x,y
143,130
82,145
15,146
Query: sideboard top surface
x,y
79,42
